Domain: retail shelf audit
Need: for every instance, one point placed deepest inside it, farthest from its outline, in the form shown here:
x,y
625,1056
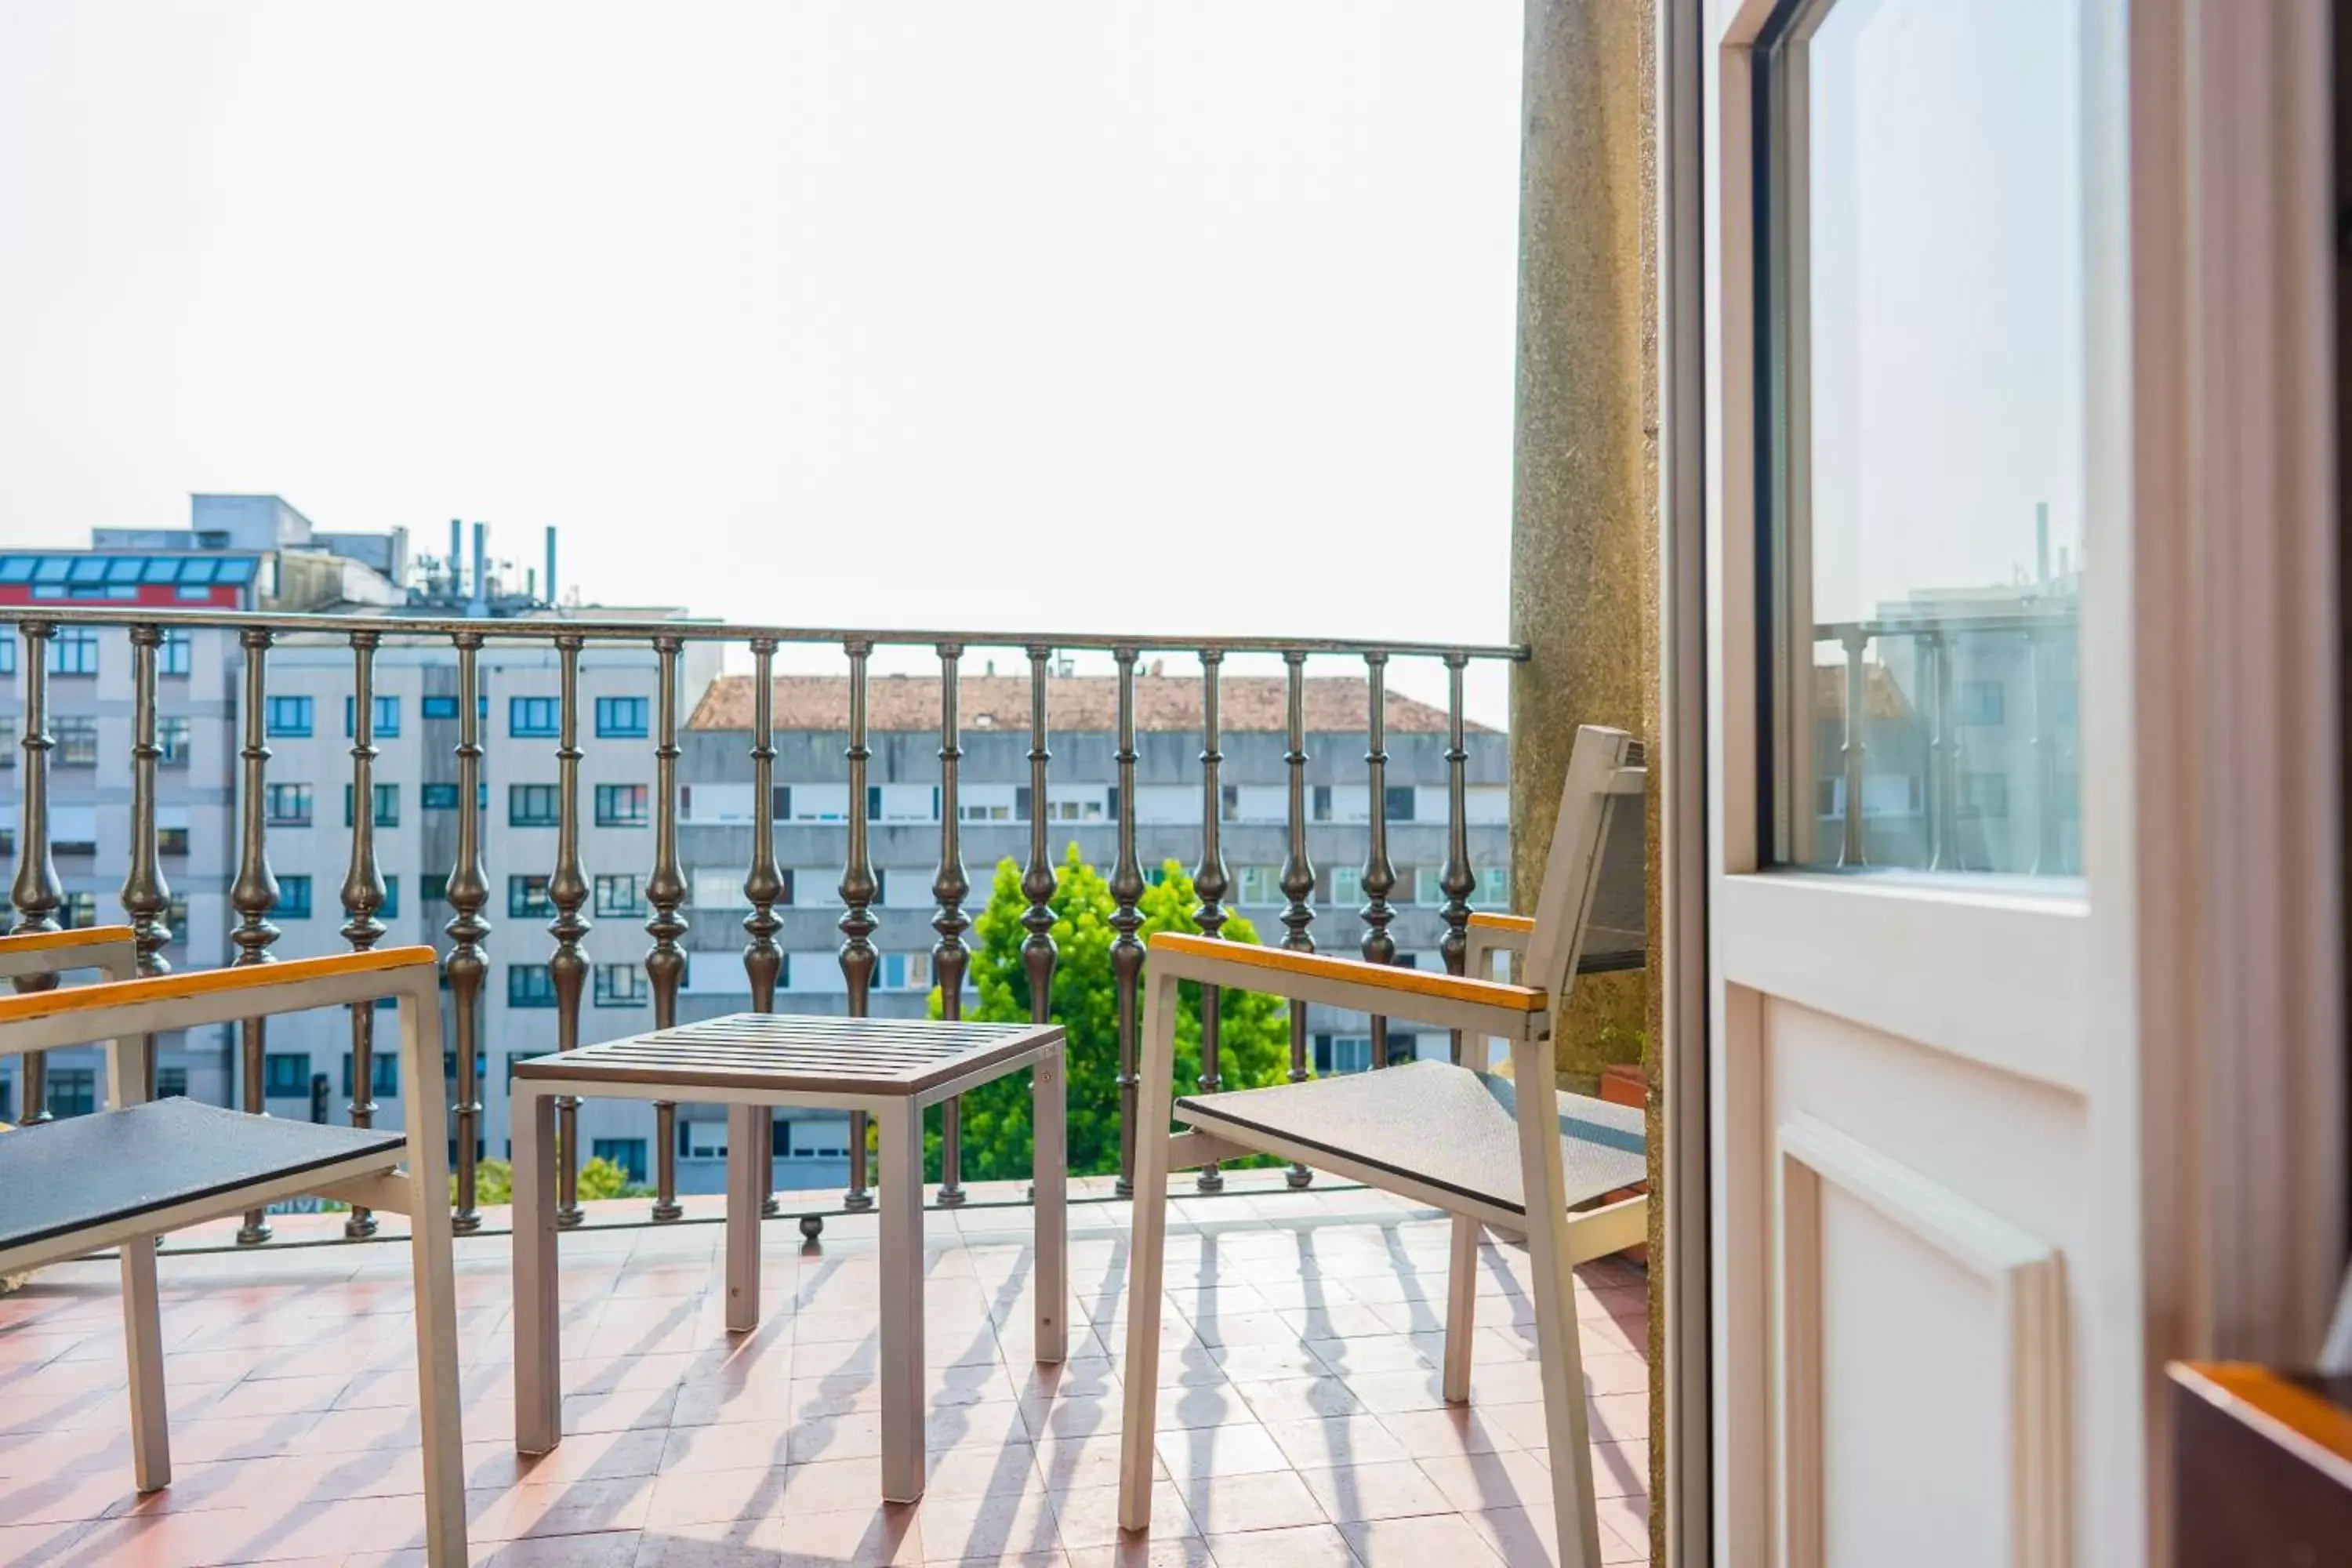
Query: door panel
x,y
1902,288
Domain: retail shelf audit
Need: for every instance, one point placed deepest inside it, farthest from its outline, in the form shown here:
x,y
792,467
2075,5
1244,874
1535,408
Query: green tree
x,y
1253,1035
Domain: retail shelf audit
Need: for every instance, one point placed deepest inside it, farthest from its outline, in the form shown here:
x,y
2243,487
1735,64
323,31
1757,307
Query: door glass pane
x,y
1924,381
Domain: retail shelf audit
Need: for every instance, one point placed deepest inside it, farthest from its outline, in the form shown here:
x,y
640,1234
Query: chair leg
x,y
745,1150
1460,1306
538,1309
1553,1281
437,1361
1050,1172
142,1344
902,1126
1146,1258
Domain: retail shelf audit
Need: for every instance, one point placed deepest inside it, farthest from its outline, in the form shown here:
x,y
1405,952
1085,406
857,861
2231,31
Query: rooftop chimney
x,y
553,596
480,604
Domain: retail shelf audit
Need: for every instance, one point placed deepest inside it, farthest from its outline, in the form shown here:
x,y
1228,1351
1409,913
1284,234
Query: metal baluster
x,y
858,924
1851,849
1126,920
762,960
1297,875
38,893
1380,876
1210,884
567,891
254,894
1038,953
1941,806
146,896
1457,881
363,896
465,966
665,890
950,957
2041,659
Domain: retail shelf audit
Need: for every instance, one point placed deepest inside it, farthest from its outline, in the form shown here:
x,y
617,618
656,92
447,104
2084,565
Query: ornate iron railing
x,y
38,896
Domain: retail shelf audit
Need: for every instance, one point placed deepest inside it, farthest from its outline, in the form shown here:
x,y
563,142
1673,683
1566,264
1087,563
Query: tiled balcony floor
x,y
1301,1424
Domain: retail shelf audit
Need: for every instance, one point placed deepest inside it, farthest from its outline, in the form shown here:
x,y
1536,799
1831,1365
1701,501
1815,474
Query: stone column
x,y
1584,513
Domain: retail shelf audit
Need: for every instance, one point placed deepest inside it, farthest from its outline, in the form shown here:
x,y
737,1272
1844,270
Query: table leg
x,y
746,1148
538,1313
900,1123
1050,1168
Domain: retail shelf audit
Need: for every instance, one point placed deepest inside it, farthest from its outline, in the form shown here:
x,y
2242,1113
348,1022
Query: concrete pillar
x,y
1584,513
1584,527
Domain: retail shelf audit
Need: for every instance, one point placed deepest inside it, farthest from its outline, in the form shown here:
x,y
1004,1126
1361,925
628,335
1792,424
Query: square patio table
x,y
891,1068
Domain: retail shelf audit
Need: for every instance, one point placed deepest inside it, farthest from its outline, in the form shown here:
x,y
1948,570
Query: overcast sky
x,y
1167,317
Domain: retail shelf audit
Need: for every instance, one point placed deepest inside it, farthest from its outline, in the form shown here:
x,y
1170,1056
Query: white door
x,y
1930,787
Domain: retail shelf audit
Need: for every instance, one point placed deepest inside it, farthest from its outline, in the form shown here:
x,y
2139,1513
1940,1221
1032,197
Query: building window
x,y
1494,889
1982,702
1397,802
531,805
1984,795
535,718
170,1083
779,803
7,667
387,806
527,897
78,912
73,1091
1342,1054
383,1068
172,743
434,887
529,985
172,840
906,972
621,805
1319,803
287,715
77,740
286,804
176,655
176,915
438,796
620,986
389,910
1346,887
702,1139
438,707
628,1154
293,898
620,895
1256,885
621,718
74,651
387,716
285,1075
449,1066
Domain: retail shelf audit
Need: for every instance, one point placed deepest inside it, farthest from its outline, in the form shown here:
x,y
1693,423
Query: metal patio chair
x,y
120,1177
1464,1141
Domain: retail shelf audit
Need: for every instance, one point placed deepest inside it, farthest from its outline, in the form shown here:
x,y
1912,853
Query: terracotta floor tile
x,y
1422,1542
1086,1517
1299,1546
1271,1499
1338,1440
1350,1494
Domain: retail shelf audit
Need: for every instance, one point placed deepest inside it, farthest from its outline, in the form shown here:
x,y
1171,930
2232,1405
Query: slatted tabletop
x,y
786,1051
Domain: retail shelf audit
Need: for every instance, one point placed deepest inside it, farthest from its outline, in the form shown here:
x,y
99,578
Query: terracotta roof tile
x,y
1080,702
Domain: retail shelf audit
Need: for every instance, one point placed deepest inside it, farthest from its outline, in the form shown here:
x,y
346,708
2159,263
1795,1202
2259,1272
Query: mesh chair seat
x,y
64,1176
1431,1122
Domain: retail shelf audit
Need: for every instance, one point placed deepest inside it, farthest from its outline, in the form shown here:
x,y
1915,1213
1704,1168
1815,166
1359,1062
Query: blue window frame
x,y
293,898
537,717
384,1067
531,805
176,654
621,805
387,716
529,985
389,910
438,796
628,1154
441,706
288,716
623,718
285,1075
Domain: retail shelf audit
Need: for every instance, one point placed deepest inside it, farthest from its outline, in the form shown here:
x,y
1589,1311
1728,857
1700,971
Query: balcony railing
x,y
254,896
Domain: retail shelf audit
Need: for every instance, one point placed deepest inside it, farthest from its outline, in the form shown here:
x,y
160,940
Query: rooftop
x,y
1075,703
1303,1426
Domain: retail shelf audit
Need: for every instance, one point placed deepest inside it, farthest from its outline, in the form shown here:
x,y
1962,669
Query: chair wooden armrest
x,y
111,950
1448,1001
1490,933
44,1020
